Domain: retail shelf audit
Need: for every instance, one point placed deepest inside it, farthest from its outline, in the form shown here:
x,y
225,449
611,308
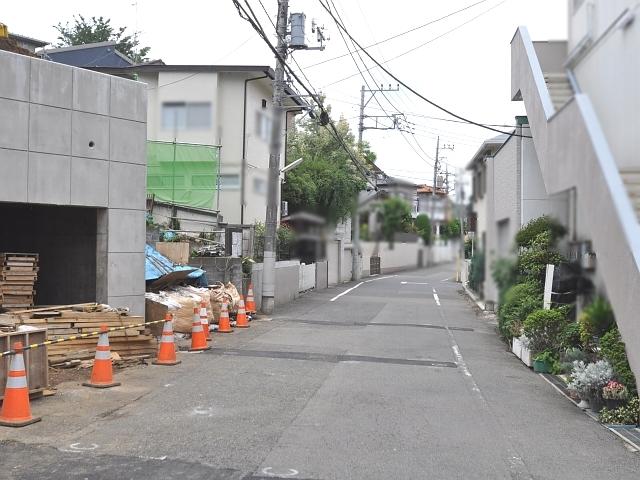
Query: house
x,y
436,205
512,193
100,54
72,180
27,43
581,99
224,113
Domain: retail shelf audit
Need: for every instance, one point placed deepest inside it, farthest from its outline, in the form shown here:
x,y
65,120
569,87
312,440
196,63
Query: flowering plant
x,y
588,379
614,391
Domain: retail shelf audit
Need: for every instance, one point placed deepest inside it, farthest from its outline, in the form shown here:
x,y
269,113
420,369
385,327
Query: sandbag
x,y
232,291
218,295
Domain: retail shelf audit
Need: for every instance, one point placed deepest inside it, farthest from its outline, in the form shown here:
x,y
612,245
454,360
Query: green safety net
x,y
182,173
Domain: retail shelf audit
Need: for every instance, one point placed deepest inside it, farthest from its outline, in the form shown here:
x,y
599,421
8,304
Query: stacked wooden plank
x,y
18,275
127,342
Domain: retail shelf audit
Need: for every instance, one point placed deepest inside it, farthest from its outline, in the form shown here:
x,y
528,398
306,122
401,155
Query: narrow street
x,y
394,379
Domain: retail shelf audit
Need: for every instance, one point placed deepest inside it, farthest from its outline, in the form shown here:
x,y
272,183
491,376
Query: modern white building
x,y
582,97
226,107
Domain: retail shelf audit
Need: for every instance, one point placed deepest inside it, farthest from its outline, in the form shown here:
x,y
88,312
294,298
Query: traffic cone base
x,y
241,318
224,324
204,320
16,411
102,372
251,303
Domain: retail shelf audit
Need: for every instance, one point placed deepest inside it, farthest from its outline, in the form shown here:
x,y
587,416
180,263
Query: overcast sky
x,y
467,70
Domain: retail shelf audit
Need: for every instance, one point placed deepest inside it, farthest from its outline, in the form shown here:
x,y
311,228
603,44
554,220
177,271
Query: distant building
x,y
100,54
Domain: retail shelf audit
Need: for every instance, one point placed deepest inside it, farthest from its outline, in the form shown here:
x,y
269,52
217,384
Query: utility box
x,y
297,31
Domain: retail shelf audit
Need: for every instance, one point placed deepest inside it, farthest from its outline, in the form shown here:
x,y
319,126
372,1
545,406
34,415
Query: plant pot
x,y
584,404
596,402
541,366
612,404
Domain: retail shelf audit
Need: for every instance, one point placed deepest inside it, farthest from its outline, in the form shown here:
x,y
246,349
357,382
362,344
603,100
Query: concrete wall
x,y
72,137
401,257
609,74
220,269
322,271
307,277
287,278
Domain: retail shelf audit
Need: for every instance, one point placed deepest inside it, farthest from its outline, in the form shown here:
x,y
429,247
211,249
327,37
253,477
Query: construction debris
x,y
18,275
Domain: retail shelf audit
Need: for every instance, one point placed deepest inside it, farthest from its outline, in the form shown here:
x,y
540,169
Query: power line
x,y
402,33
422,44
412,90
258,28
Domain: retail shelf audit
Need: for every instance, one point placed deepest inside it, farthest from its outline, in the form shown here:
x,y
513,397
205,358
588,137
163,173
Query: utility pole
x,y
461,259
269,262
355,216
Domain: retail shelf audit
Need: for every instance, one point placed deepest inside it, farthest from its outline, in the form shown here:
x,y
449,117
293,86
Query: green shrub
x,y
595,320
626,415
612,348
505,274
519,301
476,271
570,336
533,260
543,329
527,234
423,227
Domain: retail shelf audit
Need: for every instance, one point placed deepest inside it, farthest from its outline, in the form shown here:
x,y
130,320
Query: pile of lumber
x,y
133,341
18,275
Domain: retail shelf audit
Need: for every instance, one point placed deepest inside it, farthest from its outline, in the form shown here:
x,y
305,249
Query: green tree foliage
x,y
543,328
451,229
99,29
285,242
528,234
477,271
613,350
423,227
505,274
326,183
594,321
396,217
533,260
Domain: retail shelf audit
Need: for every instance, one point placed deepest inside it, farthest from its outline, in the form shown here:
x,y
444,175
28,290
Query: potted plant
x,y
614,394
588,380
544,362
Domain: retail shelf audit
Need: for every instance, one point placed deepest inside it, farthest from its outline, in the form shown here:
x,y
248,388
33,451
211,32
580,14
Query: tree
x,y
396,217
99,29
327,182
423,226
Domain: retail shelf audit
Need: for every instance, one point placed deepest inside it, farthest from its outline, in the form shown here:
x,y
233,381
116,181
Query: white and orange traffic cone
x,y
241,318
167,348
224,324
251,303
16,411
204,320
198,339
102,372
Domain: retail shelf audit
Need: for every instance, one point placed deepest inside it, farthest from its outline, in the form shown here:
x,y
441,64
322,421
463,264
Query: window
x,y
263,125
260,186
186,116
229,182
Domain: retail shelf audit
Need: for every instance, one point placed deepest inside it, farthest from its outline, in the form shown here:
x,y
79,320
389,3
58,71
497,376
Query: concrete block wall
x,y
72,137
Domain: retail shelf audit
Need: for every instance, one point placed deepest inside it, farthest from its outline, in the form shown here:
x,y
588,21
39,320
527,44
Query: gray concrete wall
x,y
287,277
322,275
72,137
220,269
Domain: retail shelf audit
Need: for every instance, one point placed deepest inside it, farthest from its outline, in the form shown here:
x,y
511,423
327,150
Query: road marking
x,y
414,283
78,448
268,471
436,298
345,292
445,280
381,278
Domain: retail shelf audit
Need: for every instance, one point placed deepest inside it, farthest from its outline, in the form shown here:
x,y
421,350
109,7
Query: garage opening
x,y
66,240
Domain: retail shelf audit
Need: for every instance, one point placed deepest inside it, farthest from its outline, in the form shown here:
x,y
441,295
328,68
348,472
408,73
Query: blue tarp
x,y
157,266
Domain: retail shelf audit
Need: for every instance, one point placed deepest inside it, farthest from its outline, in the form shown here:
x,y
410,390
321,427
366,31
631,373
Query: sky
x,y
464,64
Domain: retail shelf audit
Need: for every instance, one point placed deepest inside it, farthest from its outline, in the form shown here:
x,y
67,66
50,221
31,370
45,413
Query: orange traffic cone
x,y
241,319
167,349
251,303
16,411
102,372
198,339
204,320
224,325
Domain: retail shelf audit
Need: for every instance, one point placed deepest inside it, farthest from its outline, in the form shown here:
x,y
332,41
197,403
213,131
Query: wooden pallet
x,y
18,275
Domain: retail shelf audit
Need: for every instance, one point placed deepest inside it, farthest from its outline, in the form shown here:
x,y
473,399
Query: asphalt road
x,y
395,379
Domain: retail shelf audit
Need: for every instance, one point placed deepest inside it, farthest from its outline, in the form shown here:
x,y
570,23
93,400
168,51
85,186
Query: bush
x,y
423,227
543,329
626,415
588,379
476,271
527,234
519,301
570,336
595,320
613,350
533,261
505,275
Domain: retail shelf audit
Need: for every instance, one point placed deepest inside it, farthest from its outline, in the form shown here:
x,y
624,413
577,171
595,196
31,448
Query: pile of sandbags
x,y
180,301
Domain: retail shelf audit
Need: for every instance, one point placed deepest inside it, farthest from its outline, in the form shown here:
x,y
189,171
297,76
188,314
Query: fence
x,y
307,277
